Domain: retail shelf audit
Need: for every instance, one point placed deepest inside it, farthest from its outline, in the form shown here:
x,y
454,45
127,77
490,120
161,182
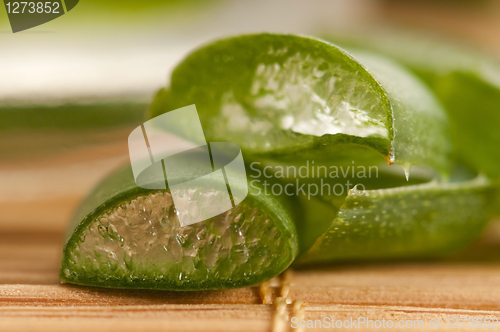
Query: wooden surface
x,y
33,219
32,299
32,224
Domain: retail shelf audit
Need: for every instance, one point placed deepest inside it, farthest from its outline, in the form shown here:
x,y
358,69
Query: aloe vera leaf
x,y
320,210
69,116
293,97
416,221
124,236
466,82
321,207
253,90
43,129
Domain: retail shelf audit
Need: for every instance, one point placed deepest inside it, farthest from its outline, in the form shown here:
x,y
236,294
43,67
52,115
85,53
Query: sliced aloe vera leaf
x,y
283,100
423,220
124,236
46,128
466,82
320,210
65,115
294,97
322,188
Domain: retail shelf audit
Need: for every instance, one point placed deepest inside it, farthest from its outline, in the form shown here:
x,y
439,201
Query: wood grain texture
x,y
32,299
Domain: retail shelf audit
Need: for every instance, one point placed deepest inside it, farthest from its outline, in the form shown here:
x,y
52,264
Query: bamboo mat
x,y
32,298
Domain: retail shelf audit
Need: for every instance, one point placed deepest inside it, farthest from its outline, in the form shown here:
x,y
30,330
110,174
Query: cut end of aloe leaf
x,y
285,95
461,77
288,90
140,244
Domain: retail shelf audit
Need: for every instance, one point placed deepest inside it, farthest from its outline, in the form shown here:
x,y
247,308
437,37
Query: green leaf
x,y
415,221
70,116
467,83
40,129
293,97
124,236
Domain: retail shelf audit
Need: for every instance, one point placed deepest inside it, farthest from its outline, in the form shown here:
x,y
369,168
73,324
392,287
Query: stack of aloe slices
x,y
288,102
